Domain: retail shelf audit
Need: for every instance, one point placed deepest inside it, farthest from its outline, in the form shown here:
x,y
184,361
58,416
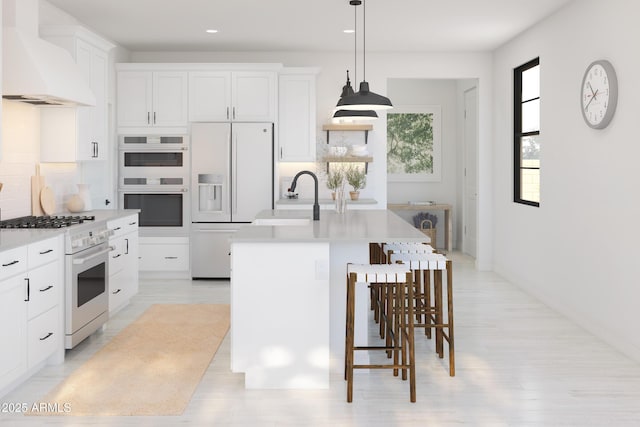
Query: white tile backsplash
x,y
20,155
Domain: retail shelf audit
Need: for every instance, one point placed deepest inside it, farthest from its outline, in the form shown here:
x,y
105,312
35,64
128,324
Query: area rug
x,y
152,367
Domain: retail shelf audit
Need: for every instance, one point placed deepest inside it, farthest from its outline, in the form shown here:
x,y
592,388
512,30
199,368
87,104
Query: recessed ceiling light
x,y
212,31
349,31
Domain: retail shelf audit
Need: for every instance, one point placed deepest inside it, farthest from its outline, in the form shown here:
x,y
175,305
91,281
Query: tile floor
x,y
518,364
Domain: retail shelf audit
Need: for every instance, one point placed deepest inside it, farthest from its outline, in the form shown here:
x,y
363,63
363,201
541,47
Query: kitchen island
x,y
288,276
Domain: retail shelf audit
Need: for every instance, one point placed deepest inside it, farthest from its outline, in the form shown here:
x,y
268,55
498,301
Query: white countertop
x,y
353,226
13,238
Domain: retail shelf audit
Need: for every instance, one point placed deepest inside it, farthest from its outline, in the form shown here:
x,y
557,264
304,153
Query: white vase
x,y
83,192
75,203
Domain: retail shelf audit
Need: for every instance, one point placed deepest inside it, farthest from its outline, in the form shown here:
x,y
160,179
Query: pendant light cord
x,y
355,45
364,40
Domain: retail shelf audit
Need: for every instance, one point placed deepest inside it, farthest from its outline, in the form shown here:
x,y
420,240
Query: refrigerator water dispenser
x,y
210,192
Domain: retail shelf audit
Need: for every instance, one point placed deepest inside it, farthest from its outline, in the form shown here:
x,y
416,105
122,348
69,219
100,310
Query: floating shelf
x,y
349,159
341,127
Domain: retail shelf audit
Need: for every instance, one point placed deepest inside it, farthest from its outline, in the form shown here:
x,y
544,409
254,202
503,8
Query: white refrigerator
x,y
231,181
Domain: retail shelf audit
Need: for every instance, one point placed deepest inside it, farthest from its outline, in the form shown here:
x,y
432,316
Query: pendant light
x,y
364,99
347,90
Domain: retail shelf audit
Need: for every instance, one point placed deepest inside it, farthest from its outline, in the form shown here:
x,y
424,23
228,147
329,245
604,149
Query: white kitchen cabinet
x,y
31,308
13,329
297,115
86,139
238,96
164,254
123,261
152,99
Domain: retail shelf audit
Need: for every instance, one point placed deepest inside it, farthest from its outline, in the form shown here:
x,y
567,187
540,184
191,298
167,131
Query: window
x,y
526,133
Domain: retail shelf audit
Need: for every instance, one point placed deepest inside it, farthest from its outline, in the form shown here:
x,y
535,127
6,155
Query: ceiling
x,y
308,25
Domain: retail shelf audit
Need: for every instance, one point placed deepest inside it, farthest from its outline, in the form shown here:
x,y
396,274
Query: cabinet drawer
x,y
122,226
13,261
116,255
44,336
45,289
44,251
119,293
164,257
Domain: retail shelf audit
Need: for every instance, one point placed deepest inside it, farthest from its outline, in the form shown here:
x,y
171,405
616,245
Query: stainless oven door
x,y
144,167
87,295
163,211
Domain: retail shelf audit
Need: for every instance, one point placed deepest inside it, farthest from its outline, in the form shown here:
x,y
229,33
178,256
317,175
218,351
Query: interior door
x,y
251,170
470,172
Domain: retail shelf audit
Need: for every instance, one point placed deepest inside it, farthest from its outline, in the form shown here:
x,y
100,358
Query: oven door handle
x,y
82,260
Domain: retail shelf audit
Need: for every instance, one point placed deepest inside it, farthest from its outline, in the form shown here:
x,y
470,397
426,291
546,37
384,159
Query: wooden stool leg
x,y
411,344
427,302
437,285
452,361
350,335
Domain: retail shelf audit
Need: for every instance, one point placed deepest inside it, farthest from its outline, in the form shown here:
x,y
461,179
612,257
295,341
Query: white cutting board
x,y
48,200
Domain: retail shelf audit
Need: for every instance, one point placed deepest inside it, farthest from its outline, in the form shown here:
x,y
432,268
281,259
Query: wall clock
x,y
599,94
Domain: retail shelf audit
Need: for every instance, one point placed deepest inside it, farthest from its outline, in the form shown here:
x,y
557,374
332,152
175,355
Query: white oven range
x,y
86,272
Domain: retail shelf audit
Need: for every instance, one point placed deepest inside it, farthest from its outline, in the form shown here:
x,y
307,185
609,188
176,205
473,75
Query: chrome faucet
x,y
316,206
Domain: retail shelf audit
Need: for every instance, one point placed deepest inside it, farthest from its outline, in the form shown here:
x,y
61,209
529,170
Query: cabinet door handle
x,y
46,336
148,118
126,249
10,263
133,223
234,113
117,291
95,150
280,153
117,256
45,252
46,289
171,257
154,117
28,290
227,113
117,228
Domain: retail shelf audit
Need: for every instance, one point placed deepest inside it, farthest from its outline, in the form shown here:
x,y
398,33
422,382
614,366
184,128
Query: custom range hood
x,y
33,70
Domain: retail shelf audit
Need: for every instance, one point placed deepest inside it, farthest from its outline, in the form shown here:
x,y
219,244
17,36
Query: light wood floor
x,y
518,364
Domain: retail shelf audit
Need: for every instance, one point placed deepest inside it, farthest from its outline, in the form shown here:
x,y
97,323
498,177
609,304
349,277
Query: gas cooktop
x,y
47,221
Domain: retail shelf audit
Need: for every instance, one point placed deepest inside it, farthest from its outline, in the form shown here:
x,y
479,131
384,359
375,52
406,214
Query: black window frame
x,y
518,102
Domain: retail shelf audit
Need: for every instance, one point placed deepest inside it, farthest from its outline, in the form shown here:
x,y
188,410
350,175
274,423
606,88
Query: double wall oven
x,y
153,176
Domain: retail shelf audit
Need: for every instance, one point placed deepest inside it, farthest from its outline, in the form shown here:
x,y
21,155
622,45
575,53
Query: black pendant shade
x,y
364,99
355,115
347,91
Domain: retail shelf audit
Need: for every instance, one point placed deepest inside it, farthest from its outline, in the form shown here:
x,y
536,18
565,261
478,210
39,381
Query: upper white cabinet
x,y
148,99
238,96
85,137
297,115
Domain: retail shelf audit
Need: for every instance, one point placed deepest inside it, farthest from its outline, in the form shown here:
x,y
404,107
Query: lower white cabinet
x,y
41,336
13,329
164,254
123,261
31,309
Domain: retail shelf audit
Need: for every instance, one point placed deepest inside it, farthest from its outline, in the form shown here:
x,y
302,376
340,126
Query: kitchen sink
x,y
281,221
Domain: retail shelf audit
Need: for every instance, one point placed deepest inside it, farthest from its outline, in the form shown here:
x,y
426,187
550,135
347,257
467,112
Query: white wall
x,y
440,92
380,67
578,251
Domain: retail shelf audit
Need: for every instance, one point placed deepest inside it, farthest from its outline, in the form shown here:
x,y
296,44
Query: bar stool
x,y
428,316
397,281
378,304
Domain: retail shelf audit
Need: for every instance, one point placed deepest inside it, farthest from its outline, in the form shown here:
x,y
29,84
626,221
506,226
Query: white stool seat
x,y
379,273
418,261
406,247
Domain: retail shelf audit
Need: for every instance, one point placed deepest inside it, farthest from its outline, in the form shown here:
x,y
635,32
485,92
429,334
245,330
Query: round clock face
x,y
599,94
